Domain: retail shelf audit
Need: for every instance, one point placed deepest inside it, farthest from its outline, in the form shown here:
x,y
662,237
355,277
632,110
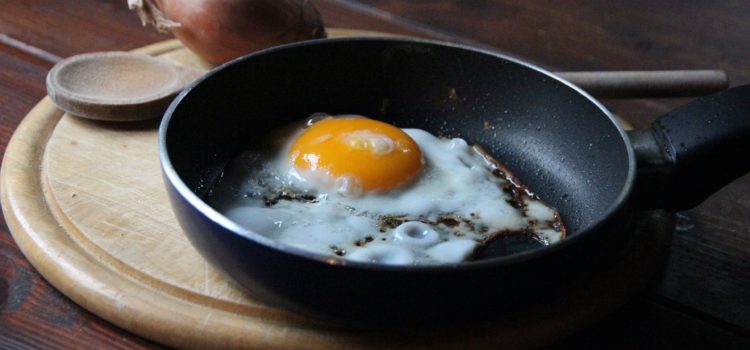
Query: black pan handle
x,y
693,151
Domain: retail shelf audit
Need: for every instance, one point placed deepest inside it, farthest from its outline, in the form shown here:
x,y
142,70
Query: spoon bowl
x,y
116,86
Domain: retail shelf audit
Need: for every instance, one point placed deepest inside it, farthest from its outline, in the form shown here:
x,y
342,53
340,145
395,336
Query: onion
x,y
220,30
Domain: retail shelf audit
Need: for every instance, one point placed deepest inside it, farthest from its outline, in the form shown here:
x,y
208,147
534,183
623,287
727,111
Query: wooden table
x,y
701,300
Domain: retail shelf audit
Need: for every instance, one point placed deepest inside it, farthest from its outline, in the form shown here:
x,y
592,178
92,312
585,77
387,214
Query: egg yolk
x,y
377,156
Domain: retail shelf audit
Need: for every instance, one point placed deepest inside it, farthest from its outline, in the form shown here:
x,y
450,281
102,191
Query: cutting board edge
x,y
34,227
164,327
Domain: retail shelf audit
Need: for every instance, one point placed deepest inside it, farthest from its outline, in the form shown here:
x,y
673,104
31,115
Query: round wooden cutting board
x,y
86,204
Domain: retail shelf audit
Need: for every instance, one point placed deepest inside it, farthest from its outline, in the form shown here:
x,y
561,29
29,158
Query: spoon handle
x,y
633,84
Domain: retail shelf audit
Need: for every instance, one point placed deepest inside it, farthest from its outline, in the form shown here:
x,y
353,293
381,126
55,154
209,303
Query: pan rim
x,y
219,219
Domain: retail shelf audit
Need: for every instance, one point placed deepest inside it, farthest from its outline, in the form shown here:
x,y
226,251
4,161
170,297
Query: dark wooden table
x,y
703,297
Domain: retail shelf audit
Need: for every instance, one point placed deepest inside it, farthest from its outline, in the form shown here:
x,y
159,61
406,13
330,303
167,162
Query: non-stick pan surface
x,y
558,140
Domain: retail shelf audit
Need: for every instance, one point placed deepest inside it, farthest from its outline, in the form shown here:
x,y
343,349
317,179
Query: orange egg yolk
x,y
377,156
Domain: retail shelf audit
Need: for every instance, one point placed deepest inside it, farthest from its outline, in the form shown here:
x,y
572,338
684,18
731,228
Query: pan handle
x,y
693,151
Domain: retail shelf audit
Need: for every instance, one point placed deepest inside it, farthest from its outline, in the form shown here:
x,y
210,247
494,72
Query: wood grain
x,y
99,26
49,26
21,86
569,35
28,303
596,35
592,35
716,258
649,324
103,233
108,25
705,272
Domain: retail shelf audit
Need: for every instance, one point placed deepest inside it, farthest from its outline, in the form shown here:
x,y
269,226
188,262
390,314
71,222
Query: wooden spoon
x,y
116,86
122,86
649,84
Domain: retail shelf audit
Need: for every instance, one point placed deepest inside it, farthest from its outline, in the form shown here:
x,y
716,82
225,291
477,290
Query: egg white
x,y
442,216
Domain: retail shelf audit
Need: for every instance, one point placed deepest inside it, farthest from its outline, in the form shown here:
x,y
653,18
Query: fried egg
x,y
363,190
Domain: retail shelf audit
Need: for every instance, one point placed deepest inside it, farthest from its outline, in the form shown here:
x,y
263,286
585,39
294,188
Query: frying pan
x,y
557,139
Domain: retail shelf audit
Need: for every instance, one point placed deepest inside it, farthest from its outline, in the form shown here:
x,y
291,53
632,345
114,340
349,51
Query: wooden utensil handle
x,y
668,83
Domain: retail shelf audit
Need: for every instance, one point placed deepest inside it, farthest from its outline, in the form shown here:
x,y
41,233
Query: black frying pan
x,y
565,145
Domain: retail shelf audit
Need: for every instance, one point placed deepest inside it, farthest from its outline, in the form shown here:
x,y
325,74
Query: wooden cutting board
x,y
86,204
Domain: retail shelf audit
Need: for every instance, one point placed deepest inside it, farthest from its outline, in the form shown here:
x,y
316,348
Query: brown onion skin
x,y
221,30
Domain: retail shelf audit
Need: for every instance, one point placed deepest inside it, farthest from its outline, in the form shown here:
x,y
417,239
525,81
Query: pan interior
x,y
555,139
